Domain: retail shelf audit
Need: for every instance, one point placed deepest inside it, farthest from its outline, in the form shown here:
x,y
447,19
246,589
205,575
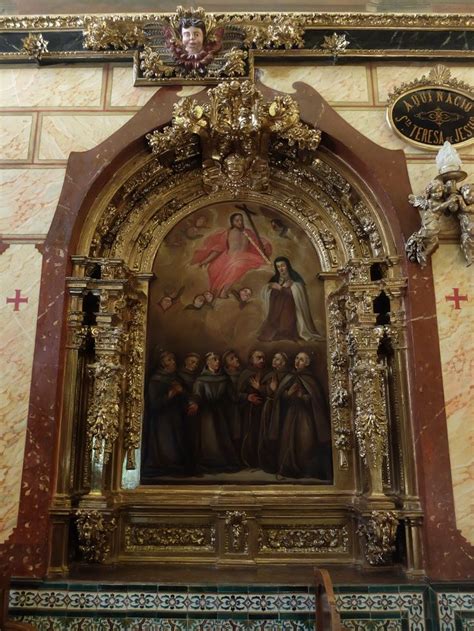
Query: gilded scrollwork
x,y
181,537
273,31
379,530
134,381
232,129
339,380
117,32
236,532
94,529
309,20
104,408
307,539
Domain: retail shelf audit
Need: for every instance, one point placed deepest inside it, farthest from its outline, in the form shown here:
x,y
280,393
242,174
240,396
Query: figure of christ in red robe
x,y
230,254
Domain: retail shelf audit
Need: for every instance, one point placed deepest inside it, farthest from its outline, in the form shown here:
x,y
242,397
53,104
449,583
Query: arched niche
x,y
114,214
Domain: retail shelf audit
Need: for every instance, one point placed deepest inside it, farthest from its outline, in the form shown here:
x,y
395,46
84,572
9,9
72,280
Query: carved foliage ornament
x,y
236,532
174,536
306,538
232,128
94,530
379,530
443,196
35,45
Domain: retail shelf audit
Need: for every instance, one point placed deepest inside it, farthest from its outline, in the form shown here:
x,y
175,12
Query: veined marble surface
x,y
336,84
28,199
388,77
15,132
20,268
49,87
456,340
63,133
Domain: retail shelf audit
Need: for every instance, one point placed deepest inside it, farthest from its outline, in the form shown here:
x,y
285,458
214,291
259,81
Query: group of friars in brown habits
x,y
211,415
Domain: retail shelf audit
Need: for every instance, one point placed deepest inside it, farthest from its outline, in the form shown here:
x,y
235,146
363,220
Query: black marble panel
x,y
374,39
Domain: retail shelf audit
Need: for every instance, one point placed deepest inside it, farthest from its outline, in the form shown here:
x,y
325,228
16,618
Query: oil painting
x,y
236,377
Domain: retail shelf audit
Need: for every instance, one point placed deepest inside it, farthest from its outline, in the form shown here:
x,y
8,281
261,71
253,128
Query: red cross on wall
x,y
17,300
456,298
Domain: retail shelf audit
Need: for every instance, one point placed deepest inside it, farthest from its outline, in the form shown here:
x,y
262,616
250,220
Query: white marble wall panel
x,y
456,326
388,77
50,87
20,269
28,199
423,172
336,84
61,134
373,124
123,93
15,133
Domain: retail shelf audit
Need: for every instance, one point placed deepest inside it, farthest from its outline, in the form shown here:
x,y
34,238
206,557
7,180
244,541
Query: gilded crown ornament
x,y
442,196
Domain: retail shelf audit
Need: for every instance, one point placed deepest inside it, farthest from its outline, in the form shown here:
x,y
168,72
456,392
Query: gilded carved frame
x,y
374,488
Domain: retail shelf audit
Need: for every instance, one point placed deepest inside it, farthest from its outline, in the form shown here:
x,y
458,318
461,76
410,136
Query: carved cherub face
x,y
435,190
192,38
467,193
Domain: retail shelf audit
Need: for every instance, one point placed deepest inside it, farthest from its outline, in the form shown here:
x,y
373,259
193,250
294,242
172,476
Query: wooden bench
x,y
327,615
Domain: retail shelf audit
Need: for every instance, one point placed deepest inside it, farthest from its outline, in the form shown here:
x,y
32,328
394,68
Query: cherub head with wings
x,y
193,38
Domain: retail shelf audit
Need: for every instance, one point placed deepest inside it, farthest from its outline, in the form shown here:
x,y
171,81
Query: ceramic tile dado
x,y
28,199
336,84
455,311
455,609
15,132
61,134
20,268
68,87
390,76
199,608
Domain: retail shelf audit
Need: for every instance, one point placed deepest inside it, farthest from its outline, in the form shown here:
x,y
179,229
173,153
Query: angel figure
x,y
466,220
192,43
432,204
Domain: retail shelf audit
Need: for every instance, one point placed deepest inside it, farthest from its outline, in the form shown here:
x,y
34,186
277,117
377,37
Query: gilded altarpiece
x,y
226,225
